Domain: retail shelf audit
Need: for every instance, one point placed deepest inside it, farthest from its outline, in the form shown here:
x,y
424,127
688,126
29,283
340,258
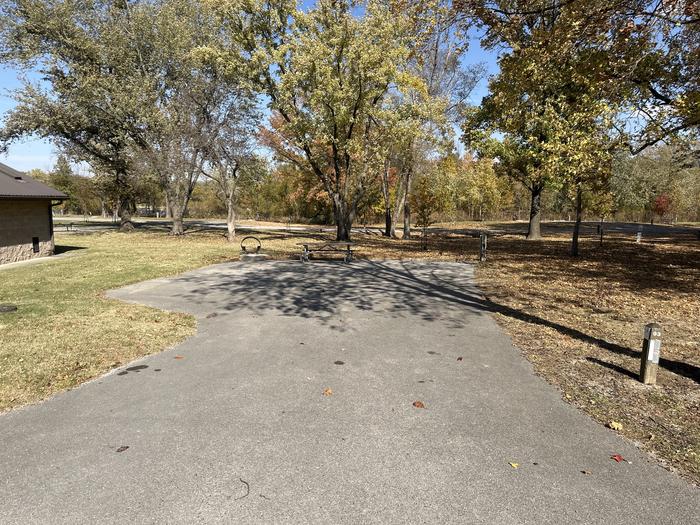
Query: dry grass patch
x,y
65,332
580,322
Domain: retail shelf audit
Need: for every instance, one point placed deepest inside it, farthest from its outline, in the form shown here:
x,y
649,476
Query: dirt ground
x,y
581,322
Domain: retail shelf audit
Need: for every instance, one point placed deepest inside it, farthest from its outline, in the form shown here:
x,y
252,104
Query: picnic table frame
x,y
308,248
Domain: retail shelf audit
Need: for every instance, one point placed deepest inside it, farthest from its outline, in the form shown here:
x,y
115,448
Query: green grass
x,y
66,332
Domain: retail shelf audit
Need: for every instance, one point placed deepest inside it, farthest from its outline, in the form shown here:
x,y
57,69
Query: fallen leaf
x,y
179,357
328,392
514,465
615,425
418,404
122,448
618,458
586,472
459,358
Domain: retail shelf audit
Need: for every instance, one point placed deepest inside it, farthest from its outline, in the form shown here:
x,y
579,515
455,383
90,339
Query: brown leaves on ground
x,y
580,322
328,392
418,404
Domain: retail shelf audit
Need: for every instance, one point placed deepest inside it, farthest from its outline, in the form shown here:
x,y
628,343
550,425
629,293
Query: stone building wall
x,y
20,222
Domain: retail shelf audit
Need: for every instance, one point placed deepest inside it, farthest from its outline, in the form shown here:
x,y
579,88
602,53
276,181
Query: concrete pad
x,y
233,426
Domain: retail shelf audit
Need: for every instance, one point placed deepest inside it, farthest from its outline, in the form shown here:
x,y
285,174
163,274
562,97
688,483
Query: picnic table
x,y
344,247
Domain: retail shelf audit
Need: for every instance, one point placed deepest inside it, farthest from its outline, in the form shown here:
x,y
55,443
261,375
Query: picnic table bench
x,y
308,248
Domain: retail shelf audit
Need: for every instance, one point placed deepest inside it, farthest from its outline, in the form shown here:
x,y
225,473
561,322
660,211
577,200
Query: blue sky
x,y
30,153
36,153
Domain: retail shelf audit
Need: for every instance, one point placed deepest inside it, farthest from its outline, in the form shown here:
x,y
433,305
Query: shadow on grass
x,y
616,368
62,248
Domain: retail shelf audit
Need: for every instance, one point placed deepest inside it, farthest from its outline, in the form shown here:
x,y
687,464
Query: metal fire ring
x,y
246,250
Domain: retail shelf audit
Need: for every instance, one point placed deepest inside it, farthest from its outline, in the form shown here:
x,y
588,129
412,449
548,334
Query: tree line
x,y
595,106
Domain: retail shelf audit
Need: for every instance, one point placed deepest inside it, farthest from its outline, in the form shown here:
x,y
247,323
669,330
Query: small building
x,y
26,217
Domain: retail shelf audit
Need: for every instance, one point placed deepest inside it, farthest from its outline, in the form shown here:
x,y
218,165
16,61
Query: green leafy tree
x,y
430,197
643,54
547,119
422,121
327,73
92,99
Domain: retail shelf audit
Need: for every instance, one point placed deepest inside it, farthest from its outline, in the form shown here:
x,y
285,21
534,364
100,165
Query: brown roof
x,y
16,185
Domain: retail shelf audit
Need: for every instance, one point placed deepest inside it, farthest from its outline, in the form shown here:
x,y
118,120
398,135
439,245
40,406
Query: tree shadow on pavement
x,y
320,290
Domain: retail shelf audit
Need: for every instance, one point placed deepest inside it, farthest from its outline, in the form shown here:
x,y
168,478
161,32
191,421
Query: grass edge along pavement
x,y
580,323
66,332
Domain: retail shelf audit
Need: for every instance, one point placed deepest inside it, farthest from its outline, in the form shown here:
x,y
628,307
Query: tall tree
x,y
327,73
91,99
547,104
430,114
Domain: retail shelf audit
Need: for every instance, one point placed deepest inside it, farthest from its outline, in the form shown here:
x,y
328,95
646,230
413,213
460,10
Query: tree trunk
x,y
396,215
406,220
230,220
178,209
178,226
388,223
389,230
125,222
406,204
168,209
343,218
343,229
533,228
577,224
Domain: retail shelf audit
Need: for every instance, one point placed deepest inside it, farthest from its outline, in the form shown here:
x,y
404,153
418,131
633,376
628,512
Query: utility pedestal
x,y
651,350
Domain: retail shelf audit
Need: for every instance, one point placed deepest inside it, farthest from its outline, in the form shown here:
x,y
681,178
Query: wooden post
x,y
483,245
651,350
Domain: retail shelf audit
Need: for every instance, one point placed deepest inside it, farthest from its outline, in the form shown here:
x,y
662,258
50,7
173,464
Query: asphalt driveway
x,y
233,426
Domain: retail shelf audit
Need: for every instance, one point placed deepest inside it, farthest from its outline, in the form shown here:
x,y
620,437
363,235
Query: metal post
x,y
483,245
651,350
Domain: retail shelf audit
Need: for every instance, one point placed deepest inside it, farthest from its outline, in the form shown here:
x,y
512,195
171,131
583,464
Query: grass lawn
x,y
66,332
579,321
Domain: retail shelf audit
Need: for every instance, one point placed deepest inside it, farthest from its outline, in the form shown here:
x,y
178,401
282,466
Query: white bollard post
x,y
651,351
